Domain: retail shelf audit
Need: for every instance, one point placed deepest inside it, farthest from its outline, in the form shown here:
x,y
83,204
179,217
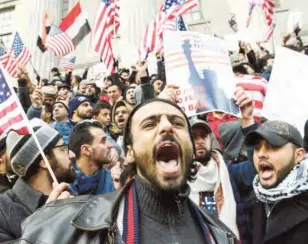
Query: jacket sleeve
x,y
85,74
23,94
68,78
5,236
144,91
34,113
244,172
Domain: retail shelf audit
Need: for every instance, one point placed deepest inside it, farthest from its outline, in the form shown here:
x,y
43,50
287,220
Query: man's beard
x,y
84,116
149,173
63,175
206,158
283,173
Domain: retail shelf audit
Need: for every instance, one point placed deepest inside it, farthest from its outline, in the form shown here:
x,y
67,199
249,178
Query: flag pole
x,y
29,127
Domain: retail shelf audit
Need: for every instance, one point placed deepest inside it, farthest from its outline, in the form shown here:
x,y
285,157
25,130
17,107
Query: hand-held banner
x,y
201,66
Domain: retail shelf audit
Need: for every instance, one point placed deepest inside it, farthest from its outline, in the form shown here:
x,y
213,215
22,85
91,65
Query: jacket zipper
x,y
231,239
111,234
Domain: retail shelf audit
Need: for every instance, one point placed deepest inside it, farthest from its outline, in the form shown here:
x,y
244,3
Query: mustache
x,y
167,138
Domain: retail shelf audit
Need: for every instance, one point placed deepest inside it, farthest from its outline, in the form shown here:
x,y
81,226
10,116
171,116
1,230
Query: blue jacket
x,y
99,183
34,113
242,175
64,128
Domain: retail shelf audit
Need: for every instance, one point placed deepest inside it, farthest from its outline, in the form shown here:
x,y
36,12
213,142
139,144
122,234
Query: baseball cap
x,y
194,122
276,133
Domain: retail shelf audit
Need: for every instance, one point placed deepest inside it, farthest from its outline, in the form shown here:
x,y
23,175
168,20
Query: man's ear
x,y
130,153
86,150
299,155
43,164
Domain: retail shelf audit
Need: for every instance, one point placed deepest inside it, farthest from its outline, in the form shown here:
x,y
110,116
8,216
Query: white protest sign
x,y
201,66
286,97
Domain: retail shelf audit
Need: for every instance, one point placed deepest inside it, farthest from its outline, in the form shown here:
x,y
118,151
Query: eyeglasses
x,y
64,146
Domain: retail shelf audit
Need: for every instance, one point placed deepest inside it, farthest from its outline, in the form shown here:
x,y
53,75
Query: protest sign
x,y
286,96
201,66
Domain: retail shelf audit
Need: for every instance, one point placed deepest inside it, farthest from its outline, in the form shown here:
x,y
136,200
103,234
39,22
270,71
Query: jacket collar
x,y
29,197
99,212
294,210
94,217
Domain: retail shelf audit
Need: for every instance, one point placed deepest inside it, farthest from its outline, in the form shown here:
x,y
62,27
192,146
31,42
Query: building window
x,y
193,15
6,26
278,3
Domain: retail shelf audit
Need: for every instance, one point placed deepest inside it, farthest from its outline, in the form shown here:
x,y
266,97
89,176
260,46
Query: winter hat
x,y
129,88
119,104
75,103
64,85
65,103
23,150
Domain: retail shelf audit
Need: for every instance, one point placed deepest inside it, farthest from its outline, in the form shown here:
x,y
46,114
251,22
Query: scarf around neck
x,y
294,184
128,218
84,184
214,177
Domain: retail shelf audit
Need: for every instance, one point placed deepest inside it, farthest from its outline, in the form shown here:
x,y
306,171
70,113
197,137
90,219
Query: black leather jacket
x,y
90,220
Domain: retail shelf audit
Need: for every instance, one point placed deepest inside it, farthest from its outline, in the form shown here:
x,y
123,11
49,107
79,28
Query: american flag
x,y
176,23
67,63
58,42
4,56
268,9
170,13
269,34
252,4
11,117
256,87
106,25
19,56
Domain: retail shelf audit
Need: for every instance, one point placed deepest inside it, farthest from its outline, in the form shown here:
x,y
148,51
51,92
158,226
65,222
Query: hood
x,y
232,138
119,104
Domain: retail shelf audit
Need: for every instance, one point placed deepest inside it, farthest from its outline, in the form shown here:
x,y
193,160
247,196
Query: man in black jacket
x,y
151,208
34,186
281,186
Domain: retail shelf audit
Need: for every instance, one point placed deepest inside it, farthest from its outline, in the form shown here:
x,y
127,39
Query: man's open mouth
x,y
266,170
168,157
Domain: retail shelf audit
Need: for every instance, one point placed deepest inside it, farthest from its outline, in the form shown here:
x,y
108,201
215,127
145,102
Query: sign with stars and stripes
x,y
201,66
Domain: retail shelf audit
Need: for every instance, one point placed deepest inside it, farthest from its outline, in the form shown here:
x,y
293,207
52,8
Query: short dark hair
x,y
81,135
48,108
115,84
78,78
55,69
99,106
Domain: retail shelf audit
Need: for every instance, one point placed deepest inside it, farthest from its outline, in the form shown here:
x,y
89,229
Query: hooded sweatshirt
x,y
115,128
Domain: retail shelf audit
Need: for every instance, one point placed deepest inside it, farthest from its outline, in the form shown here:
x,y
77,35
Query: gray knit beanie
x,y
23,150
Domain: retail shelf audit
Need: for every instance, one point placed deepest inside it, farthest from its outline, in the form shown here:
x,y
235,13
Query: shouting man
x,y
153,207
281,185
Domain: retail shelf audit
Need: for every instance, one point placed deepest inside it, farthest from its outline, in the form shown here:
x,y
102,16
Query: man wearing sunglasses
x,y
92,149
35,186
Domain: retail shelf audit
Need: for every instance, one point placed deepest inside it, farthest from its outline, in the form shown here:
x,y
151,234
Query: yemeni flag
x,y
43,33
76,24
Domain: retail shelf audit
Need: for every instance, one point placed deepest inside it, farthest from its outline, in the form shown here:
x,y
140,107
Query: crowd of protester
x,y
158,176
